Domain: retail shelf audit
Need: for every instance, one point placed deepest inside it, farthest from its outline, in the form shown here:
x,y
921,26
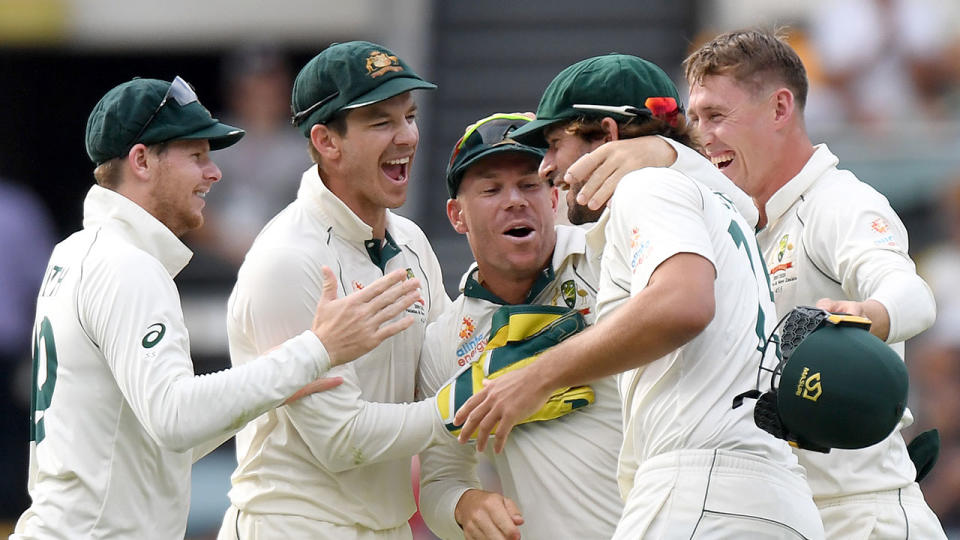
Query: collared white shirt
x,y
683,401
561,473
119,416
341,456
829,235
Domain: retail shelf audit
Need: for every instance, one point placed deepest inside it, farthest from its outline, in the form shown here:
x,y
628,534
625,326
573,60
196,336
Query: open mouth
x,y
396,169
721,161
519,232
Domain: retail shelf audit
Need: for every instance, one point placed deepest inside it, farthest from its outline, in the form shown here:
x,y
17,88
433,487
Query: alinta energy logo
x,y
467,327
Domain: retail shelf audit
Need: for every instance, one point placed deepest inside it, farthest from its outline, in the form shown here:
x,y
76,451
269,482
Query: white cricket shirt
x,y
562,472
117,408
829,235
684,400
341,456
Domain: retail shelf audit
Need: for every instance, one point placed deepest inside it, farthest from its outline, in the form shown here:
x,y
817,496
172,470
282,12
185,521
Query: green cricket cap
x,y
151,111
483,138
613,80
347,76
842,387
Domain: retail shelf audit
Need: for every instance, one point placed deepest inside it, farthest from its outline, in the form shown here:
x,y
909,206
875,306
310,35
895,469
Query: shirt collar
x,y
329,208
785,197
571,241
106,208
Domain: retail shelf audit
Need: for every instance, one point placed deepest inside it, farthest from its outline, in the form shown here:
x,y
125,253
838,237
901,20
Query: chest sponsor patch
x,y
781,264
471,349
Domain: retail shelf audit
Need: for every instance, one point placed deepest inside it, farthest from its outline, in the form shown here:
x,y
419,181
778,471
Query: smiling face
x,y
737,129
376,151
563,150
177,188
507,213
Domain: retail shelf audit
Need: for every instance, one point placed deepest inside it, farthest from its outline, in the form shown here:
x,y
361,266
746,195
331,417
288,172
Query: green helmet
x,y
839,385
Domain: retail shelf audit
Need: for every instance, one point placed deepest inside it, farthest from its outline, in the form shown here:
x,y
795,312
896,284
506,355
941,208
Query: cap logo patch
x,y
380,63
809,387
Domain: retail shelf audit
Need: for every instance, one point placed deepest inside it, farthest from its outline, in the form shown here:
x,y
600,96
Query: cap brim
x,y
387,90
532,133
219,135
498,150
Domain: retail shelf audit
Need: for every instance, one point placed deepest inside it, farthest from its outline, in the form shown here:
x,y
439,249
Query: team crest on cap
x,y
380,63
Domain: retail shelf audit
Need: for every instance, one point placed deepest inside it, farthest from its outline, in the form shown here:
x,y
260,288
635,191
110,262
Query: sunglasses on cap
x,y
181,92
492,131
653,106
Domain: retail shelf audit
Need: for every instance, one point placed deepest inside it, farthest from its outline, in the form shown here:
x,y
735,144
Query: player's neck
x,y
509,288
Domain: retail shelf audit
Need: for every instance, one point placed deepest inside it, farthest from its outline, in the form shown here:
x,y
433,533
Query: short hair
x,y
752,57
109,174
338,124
589,128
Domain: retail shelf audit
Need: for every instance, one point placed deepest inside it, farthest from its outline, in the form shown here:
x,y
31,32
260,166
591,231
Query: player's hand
x,y
502,403
318,385
354,325
601,170
871,309
486,515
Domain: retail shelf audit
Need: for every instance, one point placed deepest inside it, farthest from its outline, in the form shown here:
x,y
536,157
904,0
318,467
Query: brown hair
x,y
755,58
590,129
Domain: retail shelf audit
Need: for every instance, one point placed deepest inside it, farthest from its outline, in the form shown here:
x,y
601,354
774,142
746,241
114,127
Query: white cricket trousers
x,y
239,525
715,494
897,514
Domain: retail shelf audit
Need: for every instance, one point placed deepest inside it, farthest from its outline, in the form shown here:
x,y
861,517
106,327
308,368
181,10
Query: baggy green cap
x,y
134,107
613,80
842,387
486,137
347,76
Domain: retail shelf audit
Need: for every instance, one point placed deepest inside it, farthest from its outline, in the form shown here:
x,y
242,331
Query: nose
x,y
213,172
408,134
515,197
547,166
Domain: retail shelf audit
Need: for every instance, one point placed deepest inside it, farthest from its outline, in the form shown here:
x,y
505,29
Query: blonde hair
x,y
752,57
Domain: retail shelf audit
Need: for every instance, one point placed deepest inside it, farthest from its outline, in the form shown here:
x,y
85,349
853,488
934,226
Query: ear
x,y
611,131
138,163
455,215
554,197
783,106
326,141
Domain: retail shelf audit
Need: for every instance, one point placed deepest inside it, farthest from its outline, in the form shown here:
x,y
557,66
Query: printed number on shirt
x,y
44,377
758,267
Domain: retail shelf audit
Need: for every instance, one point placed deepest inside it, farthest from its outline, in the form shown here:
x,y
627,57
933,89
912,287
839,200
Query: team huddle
x,y
596,363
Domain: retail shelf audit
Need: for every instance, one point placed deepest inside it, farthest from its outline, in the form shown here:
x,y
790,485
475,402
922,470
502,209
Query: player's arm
x,y
862,242
674,308
131,311
341,429
451,501
671,302
602,169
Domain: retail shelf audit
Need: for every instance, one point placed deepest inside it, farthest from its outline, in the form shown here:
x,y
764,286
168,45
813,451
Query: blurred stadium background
x,y
885,94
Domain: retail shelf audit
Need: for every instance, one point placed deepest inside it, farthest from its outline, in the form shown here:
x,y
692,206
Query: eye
x,y
412,117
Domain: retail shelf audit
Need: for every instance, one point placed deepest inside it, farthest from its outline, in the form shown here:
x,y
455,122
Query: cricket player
x,y
338,468
118,416
828,240
507,213
684,314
